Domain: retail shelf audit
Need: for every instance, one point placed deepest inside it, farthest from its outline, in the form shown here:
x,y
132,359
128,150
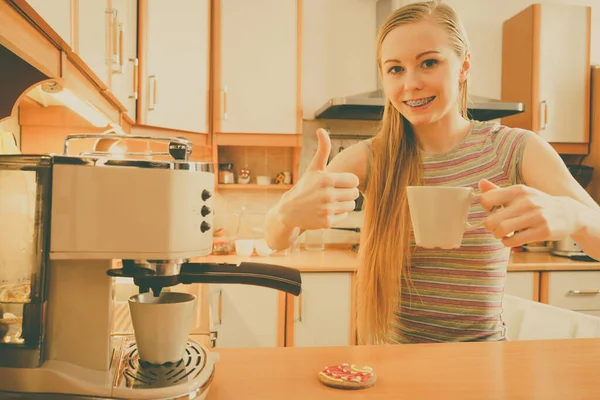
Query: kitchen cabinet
x,y
96,37
175,45
523,285
546,65
57,13
258,67
246,316
125,67
323,312
573,290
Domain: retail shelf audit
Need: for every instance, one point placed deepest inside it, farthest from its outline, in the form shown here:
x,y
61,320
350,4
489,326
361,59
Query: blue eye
x,y
430,63
395,70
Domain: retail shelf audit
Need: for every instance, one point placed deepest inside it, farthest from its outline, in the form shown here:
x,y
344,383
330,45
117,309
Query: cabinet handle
x,y
212,334
544,109
299,308
220,307
118,54
154,91
577,292
136,66
225,103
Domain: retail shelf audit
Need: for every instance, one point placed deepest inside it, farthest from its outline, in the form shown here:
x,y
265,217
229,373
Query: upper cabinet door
x,y
564,73
546,65
125,67
258,67
176,81
57,13
95,48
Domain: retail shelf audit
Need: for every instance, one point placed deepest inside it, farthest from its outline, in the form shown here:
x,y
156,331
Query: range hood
x,y
369,106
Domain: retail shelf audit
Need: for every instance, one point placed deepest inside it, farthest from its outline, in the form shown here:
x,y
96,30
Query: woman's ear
x,y
466,68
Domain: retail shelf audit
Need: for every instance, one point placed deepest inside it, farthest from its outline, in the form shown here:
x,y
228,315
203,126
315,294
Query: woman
x,y
408,294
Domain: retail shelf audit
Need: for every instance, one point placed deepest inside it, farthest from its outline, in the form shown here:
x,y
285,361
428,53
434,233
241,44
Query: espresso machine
x,y
64,220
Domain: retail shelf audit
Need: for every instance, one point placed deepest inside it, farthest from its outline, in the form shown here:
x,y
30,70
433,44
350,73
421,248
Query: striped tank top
x,y
456,295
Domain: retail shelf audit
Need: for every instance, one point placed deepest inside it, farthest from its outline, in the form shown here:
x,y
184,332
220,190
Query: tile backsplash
x,y
244,211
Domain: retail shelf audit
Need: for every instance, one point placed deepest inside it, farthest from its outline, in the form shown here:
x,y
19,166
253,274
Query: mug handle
x,y
471,227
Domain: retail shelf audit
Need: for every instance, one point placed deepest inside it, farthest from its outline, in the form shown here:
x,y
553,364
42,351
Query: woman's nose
x,y
412,81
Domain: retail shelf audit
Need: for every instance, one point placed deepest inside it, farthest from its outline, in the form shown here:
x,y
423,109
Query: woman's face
x,y
421,72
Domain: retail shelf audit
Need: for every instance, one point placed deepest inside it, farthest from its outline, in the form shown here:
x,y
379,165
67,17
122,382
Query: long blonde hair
x,y
385,242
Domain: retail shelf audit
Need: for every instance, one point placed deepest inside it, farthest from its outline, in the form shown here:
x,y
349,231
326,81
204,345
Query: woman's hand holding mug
x,y
530,213
320,199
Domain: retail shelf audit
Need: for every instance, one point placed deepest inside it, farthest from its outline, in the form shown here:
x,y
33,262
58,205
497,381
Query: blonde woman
x,y
408,294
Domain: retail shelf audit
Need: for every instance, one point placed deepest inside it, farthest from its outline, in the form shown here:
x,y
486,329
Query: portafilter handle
x,y
276,277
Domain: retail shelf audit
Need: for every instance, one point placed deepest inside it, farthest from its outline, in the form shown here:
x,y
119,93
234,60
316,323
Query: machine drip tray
x,y
136,374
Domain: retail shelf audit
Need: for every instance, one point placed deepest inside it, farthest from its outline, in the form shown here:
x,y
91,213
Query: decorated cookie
x,y
345,376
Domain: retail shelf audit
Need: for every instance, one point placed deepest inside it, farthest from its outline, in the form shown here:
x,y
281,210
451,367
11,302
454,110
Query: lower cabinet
x,y
322,314
573,290
246,316
251,316
523,285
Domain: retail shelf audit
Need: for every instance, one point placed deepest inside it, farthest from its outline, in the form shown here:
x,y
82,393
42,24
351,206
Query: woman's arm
x,y
550,206
323,196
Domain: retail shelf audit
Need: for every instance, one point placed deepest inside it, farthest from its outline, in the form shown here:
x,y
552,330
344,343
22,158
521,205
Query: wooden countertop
x,y
342,259
533,261
549,369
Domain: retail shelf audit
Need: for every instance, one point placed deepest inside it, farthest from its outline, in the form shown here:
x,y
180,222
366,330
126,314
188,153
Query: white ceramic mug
x,y
162,325
439,215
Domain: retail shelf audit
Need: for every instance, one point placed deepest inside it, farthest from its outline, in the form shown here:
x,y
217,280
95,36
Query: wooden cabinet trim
x,y
588,73
289,320
536,286
353,299
281,319
142,101
299,13
544,287
75,25
593,159
25,40
520,80
215,45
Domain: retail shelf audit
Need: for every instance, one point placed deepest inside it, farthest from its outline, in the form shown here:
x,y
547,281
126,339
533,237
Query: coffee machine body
x,y
73,217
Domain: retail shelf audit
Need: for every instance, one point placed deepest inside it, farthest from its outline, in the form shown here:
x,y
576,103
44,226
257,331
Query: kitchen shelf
x,y
252,186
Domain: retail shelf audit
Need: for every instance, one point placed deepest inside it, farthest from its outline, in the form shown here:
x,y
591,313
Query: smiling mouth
x,y
419,103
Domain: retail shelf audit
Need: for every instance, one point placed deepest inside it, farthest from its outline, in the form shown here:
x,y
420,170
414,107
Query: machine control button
x,y
205,211
206,195
204,226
